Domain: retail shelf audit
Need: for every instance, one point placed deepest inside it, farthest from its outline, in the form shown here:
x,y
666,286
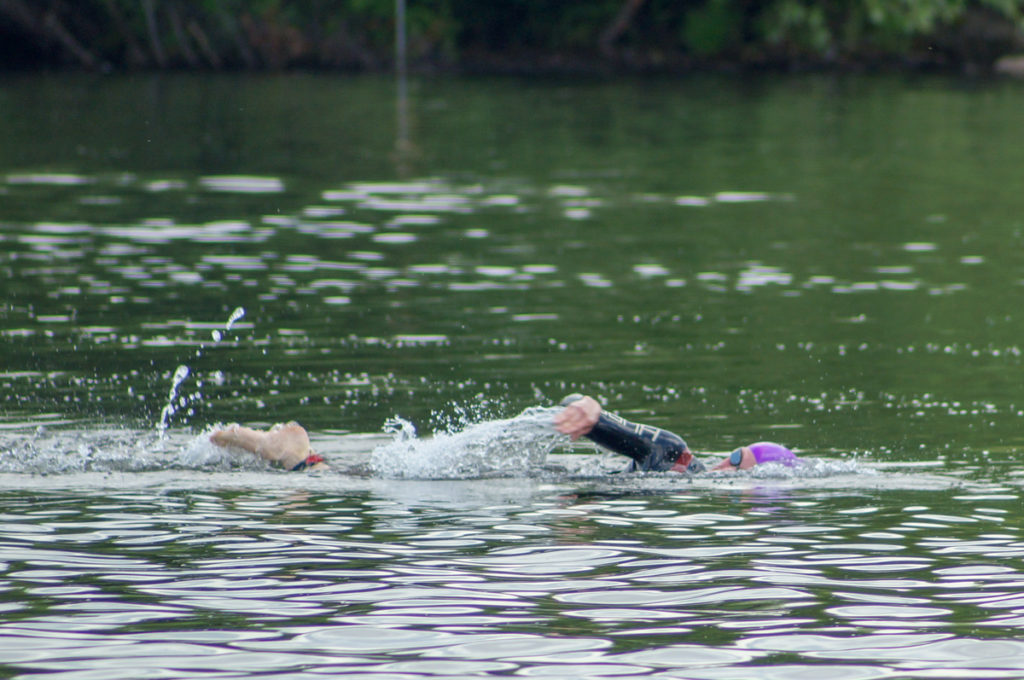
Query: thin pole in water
x,y
400,40
402,93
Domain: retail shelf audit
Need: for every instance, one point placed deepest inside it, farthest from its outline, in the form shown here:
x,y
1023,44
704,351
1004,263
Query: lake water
x,y
832,263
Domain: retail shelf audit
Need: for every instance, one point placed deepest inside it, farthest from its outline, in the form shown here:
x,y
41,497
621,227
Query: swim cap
x,y
768,452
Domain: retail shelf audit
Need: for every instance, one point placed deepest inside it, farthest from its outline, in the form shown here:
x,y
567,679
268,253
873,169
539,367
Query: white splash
x,y
516,445
235,316
180,374
808,468
58,451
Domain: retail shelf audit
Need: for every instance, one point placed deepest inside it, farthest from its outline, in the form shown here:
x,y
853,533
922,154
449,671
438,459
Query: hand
x,y
578,418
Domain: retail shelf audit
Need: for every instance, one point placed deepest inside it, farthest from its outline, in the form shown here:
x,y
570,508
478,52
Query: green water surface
x,y
835,263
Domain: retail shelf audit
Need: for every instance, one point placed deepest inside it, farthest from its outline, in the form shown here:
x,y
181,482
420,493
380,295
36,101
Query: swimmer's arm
x,y
651,448
244,438
578,417
286,445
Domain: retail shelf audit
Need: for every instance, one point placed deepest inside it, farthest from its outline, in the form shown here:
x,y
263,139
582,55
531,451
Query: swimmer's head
x,y
756,454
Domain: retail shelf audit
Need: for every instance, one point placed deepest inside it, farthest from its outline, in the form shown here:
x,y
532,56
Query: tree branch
x,y
231,26
179,34
53,25
154,38
196,31
619,25
46,29
136,55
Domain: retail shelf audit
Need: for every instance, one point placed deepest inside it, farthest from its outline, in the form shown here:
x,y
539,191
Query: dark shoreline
x,y
576,66
607,38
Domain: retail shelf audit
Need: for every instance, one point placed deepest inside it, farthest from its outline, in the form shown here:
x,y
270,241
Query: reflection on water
x,y
408,251
539,580
830,263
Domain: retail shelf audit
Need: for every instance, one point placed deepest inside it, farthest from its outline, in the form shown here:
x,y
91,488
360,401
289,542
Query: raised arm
x,y
651,448
578,417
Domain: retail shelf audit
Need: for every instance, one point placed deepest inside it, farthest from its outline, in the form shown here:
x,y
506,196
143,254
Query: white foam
x,y
518,445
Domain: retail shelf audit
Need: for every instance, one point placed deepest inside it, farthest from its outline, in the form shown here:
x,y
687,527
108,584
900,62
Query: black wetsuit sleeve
x,y
651,448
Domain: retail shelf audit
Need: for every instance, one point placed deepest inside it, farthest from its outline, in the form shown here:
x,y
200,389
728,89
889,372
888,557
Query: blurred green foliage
x,y
359,34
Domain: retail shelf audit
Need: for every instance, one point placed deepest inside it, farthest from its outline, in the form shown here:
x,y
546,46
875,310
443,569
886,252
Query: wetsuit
x,y
651,448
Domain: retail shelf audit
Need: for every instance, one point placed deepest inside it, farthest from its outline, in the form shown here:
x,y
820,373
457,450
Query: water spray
x,y
174,402
180,374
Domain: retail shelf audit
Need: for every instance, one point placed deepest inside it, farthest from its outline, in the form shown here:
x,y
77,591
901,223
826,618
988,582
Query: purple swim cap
x,y
768,452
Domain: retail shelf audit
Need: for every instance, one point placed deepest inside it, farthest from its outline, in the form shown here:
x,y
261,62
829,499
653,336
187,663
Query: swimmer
x,y
285,444
651,448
